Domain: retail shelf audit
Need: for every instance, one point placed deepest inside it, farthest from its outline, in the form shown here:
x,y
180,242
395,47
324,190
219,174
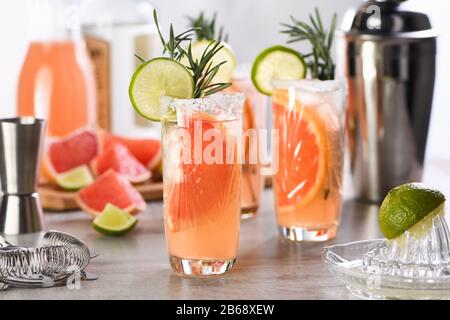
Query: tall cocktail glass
x,y
202,176
253,121
309,115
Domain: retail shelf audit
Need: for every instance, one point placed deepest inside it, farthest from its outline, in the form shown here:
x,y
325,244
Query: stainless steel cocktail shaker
x,y
21,140
388,56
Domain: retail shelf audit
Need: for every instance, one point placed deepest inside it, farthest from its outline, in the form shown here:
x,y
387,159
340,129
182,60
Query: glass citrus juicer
x,y
413,262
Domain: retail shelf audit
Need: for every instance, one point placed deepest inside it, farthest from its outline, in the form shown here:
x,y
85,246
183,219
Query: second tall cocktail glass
x,y
253,120
309,115
202,176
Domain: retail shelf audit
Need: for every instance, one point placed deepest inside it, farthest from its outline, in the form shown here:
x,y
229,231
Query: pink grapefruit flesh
x,y
146,151
72,151
110,187
118,158
198,196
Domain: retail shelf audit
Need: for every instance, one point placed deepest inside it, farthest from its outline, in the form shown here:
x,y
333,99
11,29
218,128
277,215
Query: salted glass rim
x,y
226,106
312,85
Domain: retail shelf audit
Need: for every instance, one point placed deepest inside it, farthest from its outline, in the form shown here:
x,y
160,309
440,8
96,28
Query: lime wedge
x,y
225,54
277,62
406,206
157,78
114,221
75,178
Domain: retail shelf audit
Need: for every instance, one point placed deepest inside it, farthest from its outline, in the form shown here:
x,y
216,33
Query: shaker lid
x,y
387,18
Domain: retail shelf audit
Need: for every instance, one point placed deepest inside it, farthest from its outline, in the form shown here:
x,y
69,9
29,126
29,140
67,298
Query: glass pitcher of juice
x,y
57,81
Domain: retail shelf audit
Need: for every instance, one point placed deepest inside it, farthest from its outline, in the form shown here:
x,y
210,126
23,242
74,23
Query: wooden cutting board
x,y
54,199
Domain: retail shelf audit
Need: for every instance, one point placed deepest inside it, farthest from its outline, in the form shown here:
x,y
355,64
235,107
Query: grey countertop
x,y
136,266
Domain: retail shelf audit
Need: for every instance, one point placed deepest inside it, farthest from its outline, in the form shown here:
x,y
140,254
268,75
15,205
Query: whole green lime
x,y
406,205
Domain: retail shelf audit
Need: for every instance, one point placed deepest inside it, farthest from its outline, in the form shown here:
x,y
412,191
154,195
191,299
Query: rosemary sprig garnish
x,y
206,29
203,70
174,46
319,61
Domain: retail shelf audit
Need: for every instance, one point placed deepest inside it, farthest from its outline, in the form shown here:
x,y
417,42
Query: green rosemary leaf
x,y
208,51
210,74
140,59
319,62
332,30
203,69
220,87
171,43
186,35
298,38
207,28
314,24
319,19
216,85
190,58
308,30
288,26
155,18
174,46
222,35
212,27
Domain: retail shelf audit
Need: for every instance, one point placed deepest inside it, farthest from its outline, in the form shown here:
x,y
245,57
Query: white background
x,y
251,25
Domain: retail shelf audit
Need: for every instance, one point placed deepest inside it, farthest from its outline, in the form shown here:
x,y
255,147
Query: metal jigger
x,y
20,145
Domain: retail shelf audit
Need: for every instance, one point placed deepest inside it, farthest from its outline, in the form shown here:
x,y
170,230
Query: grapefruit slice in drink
x,y
303,154
112,188
204,190
118,158
75,150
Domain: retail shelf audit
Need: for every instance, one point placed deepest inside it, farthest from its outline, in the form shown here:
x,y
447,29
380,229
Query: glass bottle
x,y
57,81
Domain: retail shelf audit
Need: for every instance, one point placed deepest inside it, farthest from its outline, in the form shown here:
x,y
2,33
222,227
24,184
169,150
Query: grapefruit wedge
x,y
118,158
146,151
75,150
112,188
303,151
